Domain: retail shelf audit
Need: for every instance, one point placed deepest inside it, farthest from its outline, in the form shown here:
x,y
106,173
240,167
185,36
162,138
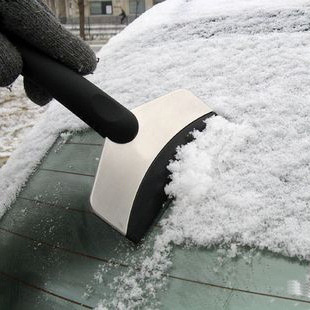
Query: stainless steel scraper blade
x,y
128,191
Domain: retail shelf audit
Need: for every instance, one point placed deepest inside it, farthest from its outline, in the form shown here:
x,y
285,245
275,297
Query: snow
x,y
182,11
23,161
245,179
18,114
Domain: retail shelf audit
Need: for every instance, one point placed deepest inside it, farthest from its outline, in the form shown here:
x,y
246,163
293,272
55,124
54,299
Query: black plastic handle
x,y
101,112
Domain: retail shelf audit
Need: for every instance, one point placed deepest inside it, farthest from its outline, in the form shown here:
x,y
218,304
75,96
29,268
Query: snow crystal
x,y
98,277
65,136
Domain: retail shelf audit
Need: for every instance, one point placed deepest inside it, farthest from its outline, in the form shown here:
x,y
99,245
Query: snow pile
x,y
244,185
245,179
23,161
18,114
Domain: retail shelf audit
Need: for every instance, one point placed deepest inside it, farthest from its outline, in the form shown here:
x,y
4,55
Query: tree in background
x,y
81,6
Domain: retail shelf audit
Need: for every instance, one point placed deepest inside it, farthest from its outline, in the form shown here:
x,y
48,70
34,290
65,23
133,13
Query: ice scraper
x,y
128,192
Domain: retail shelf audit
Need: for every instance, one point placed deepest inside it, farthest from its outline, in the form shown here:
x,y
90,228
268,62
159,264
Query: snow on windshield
x,y
245,179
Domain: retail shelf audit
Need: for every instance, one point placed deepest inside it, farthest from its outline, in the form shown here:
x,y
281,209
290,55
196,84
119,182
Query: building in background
x,y
99,11
102,18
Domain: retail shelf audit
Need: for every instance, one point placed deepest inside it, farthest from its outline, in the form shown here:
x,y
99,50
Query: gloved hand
x,y
32,21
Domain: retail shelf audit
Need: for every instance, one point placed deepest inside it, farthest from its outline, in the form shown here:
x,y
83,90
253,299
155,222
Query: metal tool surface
x,y
128,192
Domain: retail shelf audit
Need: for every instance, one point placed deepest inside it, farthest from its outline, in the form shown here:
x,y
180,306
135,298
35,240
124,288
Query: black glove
x,y
32,21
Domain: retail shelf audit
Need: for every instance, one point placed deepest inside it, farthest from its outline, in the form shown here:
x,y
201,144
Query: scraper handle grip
x,y
100,111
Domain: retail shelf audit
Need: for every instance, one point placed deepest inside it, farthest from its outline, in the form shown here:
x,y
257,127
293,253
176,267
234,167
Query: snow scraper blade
x,y
128,192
